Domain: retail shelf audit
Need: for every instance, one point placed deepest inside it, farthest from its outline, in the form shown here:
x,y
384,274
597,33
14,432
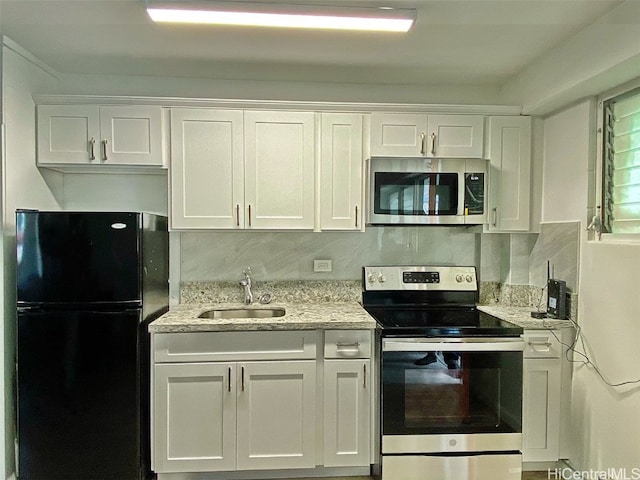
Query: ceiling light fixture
x,y
282,15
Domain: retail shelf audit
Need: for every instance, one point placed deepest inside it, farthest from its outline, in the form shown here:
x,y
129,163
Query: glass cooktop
x,y
411,321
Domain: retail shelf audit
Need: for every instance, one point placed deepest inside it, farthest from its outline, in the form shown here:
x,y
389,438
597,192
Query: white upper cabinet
x,y
509,173
99,135
341,166
458,136
234,169
207,168
412,135
279,169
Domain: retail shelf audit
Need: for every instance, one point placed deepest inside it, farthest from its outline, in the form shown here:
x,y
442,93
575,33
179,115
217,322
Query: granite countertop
x,y
298,316
521,316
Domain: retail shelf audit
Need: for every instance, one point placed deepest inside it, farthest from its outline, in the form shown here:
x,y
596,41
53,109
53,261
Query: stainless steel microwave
x,y
427,191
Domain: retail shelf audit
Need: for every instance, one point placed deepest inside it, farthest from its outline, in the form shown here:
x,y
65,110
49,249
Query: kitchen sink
x,y
243,313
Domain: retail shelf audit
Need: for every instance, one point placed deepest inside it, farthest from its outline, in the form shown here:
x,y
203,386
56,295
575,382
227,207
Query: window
x,y
621,164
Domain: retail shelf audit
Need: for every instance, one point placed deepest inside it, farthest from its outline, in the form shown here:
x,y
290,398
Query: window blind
x,y
621,169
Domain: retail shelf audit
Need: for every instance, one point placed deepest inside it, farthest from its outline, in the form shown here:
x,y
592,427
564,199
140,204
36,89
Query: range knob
x,y
459,278
371,277
469,278
381,278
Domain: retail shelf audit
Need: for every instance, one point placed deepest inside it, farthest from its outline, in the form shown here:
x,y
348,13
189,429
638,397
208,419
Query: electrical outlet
x,y
322,266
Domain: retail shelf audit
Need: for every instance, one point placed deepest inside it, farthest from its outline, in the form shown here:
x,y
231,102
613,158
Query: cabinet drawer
x,y
347,344
231,346
541,344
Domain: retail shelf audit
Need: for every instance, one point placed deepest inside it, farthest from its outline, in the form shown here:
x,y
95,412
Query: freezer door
x,y
82,396
77,257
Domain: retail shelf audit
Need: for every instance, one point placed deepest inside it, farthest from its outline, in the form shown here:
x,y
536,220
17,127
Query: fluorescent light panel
x,y
282,15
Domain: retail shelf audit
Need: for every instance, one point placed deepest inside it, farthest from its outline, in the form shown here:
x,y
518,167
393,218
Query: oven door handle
x,y
453,345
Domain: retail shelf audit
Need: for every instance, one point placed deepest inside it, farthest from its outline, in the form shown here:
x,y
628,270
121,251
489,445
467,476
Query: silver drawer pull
x,y
364,375
541,344
352,344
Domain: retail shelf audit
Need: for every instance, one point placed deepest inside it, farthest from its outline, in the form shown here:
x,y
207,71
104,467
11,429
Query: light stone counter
x,y
521,316
298,316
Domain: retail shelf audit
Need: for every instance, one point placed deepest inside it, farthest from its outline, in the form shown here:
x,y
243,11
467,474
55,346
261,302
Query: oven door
x,y
451,394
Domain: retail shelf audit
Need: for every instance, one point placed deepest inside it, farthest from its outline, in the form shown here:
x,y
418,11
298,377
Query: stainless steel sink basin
x,y
243,313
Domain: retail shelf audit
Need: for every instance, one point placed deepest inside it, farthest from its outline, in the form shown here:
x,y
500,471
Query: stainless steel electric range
x,y
451,377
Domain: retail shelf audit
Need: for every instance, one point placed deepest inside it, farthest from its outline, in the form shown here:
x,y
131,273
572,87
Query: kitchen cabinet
x,y
411,135
341,171
279,169
541,396
234,169
194,427
347,398
73,135
509,173
233,401
207,168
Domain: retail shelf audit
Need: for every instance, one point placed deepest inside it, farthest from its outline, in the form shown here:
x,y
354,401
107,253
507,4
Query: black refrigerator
x,y
88,284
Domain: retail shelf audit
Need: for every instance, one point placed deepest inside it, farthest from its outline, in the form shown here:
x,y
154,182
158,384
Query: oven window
x,y
451,392
415,193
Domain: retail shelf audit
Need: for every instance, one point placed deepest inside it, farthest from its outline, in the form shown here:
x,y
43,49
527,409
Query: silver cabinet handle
x,y
422,139
364,376
242,378
356,216
229,384
237,215
494,212
92,144
433,144
539,344
104,150
249,214
348,344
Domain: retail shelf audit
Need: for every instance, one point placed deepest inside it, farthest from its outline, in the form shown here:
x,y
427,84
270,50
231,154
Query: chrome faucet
x,y
246,283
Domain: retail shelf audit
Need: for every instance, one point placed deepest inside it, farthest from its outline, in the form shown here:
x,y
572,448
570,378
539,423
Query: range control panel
x,y
420,278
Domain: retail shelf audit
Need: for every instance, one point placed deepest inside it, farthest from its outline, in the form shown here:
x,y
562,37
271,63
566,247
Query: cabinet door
x,y
68,134
279,169
347,410
131,135
458,136
194,417
276,415
341,166
207,177
541,410
398,135
509,173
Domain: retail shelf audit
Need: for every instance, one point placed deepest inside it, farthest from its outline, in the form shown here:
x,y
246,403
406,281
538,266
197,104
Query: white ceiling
x,y
454,42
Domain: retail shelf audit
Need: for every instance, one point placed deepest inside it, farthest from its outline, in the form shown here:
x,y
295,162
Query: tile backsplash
x,y
221,256
512,267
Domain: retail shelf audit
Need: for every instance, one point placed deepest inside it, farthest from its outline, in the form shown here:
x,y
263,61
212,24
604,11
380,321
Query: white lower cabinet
x,y
347,412
276,415
195,421
541,397
248,401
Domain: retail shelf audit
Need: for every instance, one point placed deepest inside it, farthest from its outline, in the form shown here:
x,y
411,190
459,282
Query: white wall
x,y
567,153
595,59
175,86
23,187
604,421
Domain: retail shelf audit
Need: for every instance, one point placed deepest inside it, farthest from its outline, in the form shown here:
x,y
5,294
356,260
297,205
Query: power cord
x,y
585,358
